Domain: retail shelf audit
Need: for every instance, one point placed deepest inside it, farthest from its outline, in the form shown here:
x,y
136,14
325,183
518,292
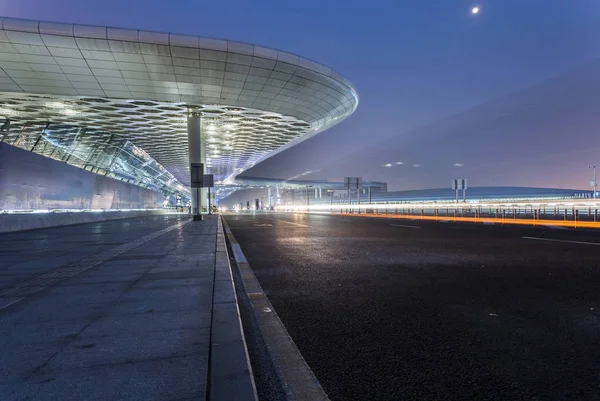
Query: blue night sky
x,y
509,94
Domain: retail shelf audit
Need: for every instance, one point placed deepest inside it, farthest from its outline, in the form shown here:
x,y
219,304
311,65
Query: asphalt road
x,y
385,309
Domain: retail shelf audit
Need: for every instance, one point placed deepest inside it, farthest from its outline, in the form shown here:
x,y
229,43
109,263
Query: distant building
x,y
482,193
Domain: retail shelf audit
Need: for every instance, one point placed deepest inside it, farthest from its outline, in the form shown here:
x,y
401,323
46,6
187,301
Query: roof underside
x,y
139,85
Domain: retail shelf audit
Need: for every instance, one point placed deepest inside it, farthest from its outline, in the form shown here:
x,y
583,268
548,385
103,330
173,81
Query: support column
x,y
197,154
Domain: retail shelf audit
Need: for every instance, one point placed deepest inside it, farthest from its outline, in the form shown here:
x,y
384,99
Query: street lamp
x,y
594,183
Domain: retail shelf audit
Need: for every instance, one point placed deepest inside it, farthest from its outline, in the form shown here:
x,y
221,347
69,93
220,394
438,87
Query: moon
x,y
475,10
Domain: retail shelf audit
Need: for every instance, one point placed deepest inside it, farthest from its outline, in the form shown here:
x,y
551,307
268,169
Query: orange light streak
x,y
495,220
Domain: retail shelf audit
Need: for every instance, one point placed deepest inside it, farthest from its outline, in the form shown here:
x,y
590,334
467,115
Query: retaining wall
x,y
29,181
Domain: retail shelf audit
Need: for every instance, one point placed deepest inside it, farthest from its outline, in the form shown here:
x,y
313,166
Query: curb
x,y
295,376
231,376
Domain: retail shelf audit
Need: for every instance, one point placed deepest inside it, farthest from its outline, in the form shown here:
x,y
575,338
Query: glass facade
x,y
96,151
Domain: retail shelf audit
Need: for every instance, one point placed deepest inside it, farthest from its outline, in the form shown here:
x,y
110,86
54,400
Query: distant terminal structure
x,y
307,193
376,192
483,194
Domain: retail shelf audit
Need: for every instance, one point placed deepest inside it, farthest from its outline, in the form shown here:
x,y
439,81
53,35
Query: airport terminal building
x,y
99,117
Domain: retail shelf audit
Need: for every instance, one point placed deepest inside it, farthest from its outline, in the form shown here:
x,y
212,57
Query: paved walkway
x,y
135,309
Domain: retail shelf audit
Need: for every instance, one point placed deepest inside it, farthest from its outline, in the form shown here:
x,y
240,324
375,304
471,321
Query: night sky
x,y
505,97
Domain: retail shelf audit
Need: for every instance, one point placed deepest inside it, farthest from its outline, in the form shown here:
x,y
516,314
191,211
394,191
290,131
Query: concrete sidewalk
x,y
153,318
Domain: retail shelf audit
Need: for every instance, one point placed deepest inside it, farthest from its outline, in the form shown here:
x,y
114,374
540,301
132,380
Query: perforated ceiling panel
x,y
137,84
235,138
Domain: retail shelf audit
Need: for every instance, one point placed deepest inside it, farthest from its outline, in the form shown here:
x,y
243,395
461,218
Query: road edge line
x,y
297,380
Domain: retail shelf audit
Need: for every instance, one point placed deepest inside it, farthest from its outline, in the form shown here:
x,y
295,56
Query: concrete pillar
x,y
197,154
269,197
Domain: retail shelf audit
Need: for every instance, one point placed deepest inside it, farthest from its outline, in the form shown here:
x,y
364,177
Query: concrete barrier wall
x,y
32,221
29,181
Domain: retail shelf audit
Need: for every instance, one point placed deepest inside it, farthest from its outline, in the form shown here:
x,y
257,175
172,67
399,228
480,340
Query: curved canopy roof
x,y
137,84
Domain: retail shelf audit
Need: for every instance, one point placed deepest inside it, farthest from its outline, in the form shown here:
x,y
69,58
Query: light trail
x,y
495,220
443,205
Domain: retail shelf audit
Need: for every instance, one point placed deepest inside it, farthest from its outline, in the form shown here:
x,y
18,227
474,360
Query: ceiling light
x,y
10,112
56,105
70,112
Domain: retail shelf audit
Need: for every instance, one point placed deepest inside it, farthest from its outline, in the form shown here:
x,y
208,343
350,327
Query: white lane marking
x,y
562,240
289,222
555,227
488,223
6,302
444,221
253,228
404,225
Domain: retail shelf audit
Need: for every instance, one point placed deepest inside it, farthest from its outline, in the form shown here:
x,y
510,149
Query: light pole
x,y
594,183
308,195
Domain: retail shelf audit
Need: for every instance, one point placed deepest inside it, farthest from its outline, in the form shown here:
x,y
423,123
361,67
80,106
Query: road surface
x,y
385,309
